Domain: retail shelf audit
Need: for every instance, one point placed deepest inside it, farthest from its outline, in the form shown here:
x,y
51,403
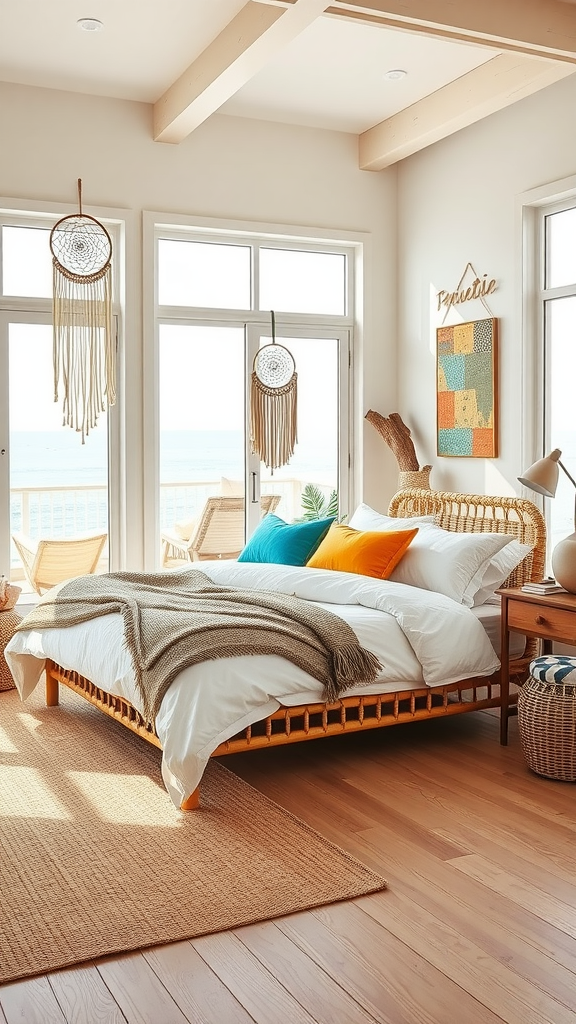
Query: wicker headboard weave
x,y
481,513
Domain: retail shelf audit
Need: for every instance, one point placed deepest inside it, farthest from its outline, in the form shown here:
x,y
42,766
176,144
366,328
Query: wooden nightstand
x,y
548,618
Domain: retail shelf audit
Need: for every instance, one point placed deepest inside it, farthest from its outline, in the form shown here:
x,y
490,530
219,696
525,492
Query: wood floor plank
x,y
138,991
389,976
321,995
84,998
262,996
201,996
486,979
549,908
30,1002
535,950
436,807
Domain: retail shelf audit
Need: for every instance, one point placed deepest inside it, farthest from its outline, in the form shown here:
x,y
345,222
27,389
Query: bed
x,y
219,707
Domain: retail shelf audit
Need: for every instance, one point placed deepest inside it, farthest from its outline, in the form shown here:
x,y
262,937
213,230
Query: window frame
x,y
534,207
156,225
119,223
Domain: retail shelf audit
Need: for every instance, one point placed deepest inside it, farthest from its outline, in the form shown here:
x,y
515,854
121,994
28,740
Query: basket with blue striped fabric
x,y
547,717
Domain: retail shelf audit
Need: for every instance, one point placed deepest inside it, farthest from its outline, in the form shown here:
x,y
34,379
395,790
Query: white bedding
x,y
420,639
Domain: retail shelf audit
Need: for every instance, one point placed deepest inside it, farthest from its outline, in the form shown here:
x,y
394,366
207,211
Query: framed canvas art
x,y
467,399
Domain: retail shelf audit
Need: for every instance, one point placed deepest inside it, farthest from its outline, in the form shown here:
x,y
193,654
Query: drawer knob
x,y
540,620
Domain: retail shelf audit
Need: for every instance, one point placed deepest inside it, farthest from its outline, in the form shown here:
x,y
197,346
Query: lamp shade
x,y
543,475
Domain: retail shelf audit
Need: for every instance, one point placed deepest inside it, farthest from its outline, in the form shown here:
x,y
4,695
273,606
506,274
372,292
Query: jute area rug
x,y
95,859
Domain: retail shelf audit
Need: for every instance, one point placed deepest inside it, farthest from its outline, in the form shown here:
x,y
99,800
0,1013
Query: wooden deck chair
x,y
48,562
219,532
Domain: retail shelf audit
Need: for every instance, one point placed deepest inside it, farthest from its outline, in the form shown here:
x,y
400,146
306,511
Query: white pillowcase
x,y
366,518
448,562
486,581
468,567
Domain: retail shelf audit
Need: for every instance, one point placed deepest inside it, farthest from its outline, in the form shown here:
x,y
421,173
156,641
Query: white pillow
x,y
487,580
447,562
366,518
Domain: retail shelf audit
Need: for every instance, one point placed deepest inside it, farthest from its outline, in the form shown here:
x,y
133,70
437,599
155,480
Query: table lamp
x,y
543,478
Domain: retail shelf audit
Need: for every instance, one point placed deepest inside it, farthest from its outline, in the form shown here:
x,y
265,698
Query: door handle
x,y
255,497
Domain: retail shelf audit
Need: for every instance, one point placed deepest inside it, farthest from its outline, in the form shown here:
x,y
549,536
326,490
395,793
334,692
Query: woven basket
x,y
547,723
414,478
8,622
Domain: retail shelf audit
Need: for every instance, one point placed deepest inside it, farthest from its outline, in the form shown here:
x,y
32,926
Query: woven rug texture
x,y
95,859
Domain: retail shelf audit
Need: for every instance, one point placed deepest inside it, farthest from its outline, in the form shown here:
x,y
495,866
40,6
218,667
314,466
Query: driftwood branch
x,y
397,437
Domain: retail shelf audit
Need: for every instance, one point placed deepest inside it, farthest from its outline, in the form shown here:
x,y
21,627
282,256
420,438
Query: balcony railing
x,y
69,511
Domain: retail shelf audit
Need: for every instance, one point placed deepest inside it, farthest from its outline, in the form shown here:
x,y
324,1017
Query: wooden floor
x,y
478,924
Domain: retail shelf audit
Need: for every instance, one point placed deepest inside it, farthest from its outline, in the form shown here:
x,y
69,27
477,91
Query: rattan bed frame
x,y
457,512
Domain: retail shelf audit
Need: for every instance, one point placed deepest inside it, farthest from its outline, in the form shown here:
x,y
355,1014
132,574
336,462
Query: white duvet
x,y
420,638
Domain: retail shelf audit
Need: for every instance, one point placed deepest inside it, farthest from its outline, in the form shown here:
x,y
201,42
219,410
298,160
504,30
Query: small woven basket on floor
x,y
547,723
8,622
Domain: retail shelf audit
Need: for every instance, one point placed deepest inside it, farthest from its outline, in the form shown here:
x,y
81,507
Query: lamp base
x,y
564,563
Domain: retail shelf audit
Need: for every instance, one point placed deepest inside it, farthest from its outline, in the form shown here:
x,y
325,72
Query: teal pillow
x,y
284,543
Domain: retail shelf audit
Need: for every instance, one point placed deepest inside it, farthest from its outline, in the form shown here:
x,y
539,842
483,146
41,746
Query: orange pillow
x,y
367,552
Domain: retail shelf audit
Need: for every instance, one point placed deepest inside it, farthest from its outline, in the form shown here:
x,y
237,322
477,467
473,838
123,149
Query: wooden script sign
x,y
467,389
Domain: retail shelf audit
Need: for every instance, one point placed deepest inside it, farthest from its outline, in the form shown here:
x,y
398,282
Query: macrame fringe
x,y
352,666
273,422
84,356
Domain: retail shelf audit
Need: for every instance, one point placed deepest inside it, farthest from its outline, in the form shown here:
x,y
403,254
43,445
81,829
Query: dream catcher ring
x,y
273,403
84,356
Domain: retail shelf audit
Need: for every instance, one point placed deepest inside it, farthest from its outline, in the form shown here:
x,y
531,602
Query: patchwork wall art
x,y
467,379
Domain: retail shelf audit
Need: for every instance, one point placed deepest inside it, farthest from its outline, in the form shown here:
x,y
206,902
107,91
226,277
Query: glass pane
x,y
203,274
58,486
26,262
302,282
561,340
561,251
202,451
309,483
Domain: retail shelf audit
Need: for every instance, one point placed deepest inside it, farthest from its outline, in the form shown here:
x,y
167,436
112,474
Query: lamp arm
x,y
571,478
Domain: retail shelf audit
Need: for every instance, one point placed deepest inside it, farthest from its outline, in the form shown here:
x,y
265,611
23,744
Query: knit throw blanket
x,y
176,619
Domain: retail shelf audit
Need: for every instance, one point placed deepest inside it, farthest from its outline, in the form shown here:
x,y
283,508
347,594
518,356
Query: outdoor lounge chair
x,y
47,562
219,532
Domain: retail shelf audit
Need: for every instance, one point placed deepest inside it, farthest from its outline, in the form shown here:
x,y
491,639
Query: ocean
x,y
41,463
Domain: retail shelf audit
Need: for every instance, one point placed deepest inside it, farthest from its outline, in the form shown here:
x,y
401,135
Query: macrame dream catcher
x,y
273,403
84,356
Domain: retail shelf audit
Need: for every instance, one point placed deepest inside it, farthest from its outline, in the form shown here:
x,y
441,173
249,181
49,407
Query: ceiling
x,y
303,62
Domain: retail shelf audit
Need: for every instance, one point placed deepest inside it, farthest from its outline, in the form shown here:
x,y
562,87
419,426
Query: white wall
x,y
229,168
457,202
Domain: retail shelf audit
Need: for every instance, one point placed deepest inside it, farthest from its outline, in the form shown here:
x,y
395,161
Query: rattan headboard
x,y
481,513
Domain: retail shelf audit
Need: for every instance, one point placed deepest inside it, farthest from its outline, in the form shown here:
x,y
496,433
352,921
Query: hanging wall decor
x,y
273,400
84,348
467,396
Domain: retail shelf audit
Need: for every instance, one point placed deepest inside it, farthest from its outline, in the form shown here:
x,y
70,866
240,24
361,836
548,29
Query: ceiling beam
x,y
544,28
250,41
496,84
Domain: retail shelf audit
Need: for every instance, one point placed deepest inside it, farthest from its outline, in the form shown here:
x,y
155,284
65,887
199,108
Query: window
x,y
214,298
51,485
558,318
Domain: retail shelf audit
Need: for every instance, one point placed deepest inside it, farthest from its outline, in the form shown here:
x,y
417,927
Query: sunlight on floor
x,y
128,799
6,745
26,795
29,722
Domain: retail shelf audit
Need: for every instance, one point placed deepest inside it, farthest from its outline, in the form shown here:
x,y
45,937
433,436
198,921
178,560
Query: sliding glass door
x,y
52,486
214,295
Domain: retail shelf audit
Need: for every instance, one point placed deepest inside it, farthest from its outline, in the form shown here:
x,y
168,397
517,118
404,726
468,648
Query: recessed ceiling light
x,y
90,24
395,75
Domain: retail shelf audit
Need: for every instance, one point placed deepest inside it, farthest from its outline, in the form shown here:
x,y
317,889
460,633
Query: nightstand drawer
x,y
546,622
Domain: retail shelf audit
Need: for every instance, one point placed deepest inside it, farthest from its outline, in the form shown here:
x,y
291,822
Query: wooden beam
x,y
249,42
545,28
496,84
